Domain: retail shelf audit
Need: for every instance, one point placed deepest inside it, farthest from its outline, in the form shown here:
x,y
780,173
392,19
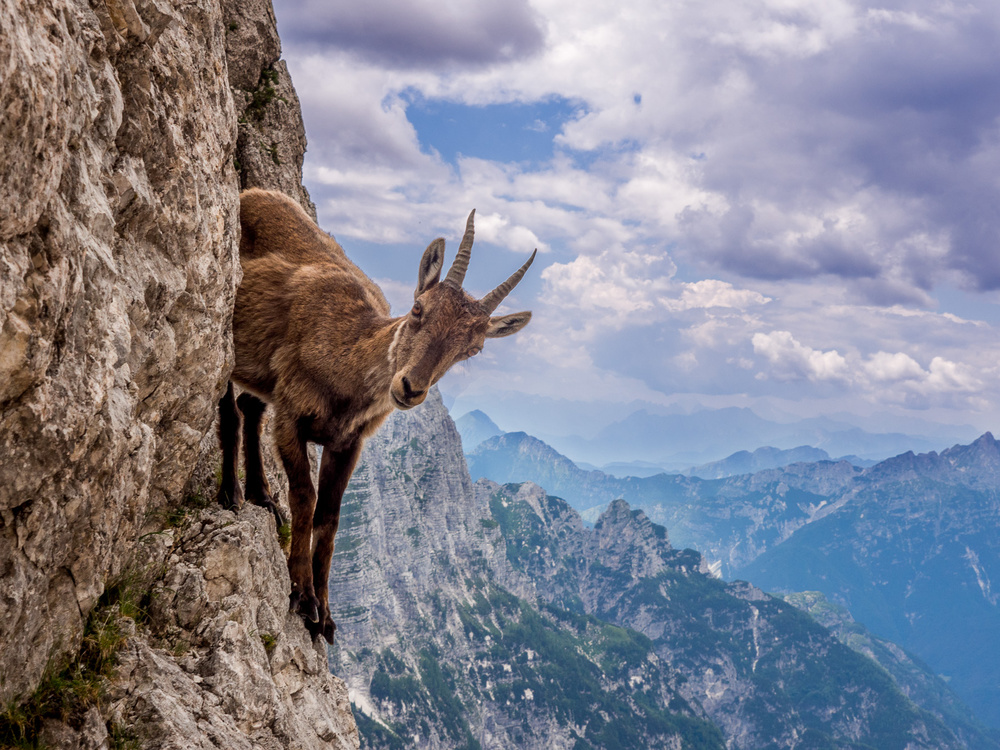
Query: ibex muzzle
x,y
314,339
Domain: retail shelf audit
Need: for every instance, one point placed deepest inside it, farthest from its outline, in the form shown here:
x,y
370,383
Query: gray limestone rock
x,y
271,140
120,136
224,664
118,241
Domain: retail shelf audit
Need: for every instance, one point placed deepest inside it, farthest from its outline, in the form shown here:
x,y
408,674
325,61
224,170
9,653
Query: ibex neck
x,y
374,378
367,367
394,329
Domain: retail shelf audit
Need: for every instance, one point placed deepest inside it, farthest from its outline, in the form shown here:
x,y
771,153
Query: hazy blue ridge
x,y
915,678
708,435
747,462
913,553
474,428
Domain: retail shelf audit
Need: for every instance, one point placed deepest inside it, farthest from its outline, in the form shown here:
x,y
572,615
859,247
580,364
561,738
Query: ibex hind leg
x,y
258,491
325,626
230,494
304,604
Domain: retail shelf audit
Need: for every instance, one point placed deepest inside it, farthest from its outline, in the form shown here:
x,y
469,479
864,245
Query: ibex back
x,y
314,339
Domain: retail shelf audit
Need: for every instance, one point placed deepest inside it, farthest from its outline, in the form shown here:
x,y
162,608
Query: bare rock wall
x,y
127,129
118,235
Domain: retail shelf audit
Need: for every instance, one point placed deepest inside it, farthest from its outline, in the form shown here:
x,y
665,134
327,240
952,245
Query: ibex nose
x,y
408,389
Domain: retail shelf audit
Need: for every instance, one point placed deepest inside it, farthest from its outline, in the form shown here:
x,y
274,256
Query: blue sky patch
x,y
515,132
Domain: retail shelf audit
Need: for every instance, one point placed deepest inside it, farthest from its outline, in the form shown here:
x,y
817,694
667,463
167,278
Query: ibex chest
x,y
345,424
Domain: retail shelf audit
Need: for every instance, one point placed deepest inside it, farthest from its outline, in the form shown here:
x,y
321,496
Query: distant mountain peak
x,y
986,439
475,427
976,465
618,514
620,527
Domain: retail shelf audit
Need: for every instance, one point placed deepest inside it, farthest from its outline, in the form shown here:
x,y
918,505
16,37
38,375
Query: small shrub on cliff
x,y
285,536
269,640
263,95
181,515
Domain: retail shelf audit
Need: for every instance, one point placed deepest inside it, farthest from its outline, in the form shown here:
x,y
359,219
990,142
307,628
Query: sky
x,y
786,205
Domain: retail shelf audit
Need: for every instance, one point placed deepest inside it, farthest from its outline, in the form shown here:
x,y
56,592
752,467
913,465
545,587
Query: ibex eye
x,y
417,309
473,351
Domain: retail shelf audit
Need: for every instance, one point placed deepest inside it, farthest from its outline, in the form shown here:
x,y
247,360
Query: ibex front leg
x,y
334,474
302,501
230,493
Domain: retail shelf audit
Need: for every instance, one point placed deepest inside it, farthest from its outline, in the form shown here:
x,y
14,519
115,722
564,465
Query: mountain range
x,y
749,462
676,441
908,545
912,549
490,615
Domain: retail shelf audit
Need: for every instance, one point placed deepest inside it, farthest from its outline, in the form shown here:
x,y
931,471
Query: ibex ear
x,y
505,325
430,267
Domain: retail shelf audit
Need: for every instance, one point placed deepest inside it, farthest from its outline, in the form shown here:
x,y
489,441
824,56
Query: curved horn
x,y
456,274
492,300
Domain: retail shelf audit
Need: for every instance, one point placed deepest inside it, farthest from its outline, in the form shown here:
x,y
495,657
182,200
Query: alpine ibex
x,y
314,339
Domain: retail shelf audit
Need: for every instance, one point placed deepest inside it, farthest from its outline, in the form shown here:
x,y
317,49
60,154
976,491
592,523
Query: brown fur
x,y
314,339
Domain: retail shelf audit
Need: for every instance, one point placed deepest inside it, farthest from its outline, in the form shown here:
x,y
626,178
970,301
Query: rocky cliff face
x,y
220,661
128,129
119,271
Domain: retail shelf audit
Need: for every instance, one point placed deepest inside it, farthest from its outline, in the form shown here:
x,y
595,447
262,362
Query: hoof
x,y
326,627
329,628
230,499
265,501
305,605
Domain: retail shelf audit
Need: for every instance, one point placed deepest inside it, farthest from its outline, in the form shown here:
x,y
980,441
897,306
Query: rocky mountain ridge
x,y
917,681
730,520
911,550
419,615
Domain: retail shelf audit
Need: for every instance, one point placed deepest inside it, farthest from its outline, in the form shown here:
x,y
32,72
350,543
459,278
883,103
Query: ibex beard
x,y
314,340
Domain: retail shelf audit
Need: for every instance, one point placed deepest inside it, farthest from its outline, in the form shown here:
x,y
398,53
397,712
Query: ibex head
x,y
446,324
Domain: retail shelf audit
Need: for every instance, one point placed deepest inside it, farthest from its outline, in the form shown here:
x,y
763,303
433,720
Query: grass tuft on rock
x,y
285,536
263,95
70,687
